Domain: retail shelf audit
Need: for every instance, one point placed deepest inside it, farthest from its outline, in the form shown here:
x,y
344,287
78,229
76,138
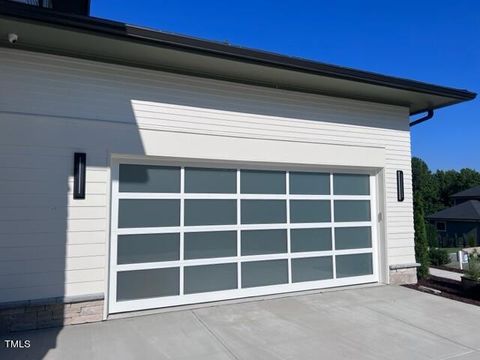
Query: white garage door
x,y
187,234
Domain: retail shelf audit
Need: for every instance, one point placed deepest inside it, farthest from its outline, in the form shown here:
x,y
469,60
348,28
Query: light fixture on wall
x,y
400,187
79,175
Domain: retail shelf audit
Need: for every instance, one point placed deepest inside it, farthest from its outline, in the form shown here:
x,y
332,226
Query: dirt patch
x,y
450,289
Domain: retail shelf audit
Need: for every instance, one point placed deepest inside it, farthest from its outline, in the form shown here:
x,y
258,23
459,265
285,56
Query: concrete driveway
x,y
382,322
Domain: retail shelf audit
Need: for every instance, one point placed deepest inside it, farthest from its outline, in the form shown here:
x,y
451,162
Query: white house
x,y
212,171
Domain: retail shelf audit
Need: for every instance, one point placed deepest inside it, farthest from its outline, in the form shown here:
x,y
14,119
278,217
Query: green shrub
x,y
438,257
471,241
473,271
421,241
432,235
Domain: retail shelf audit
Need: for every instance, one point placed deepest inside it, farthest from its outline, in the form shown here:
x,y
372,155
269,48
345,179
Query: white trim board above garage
x,y
271,152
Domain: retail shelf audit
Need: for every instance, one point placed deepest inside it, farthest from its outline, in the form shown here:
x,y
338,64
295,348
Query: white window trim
x,y
182,299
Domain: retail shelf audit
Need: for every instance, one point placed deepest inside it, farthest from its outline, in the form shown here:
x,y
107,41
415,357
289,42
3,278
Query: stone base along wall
x,y
49,313
403,276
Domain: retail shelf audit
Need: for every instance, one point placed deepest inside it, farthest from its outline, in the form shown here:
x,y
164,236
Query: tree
x,y
431,193
426,185
421,241
451,181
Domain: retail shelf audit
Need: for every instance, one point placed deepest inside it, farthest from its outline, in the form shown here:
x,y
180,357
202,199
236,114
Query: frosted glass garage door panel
x,y
354,265
264,211
149,179
200,245
303,240
263,273
210,212
353,238
220,181
257,242
351,184
308,211
206,278
305,183
262,182
195,234
137,213
312,269
352,210
145,284
143,248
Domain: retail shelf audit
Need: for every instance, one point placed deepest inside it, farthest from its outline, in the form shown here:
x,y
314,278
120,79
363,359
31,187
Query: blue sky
x,y
428,40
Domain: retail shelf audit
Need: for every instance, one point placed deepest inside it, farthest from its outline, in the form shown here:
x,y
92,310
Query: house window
x,y
441,226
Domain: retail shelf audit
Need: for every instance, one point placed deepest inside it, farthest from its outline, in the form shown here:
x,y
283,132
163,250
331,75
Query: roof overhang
x,y
451,219
48,31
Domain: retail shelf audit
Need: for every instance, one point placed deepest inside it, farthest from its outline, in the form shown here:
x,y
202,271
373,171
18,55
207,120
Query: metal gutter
x,y
422,119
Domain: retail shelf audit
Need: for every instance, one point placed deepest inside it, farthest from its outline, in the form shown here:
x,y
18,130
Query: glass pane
x,y
199,245
134,213
148,248
309,183
144,284
264,242
353,238
210,212
148,178
352,210
310,240
307,211
262,273
354,265
210,278
311,269
199,180
262,182
351,184
264,211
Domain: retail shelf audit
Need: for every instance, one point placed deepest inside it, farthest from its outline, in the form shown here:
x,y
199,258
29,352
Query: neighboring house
x,y
212,172
459,225
469,194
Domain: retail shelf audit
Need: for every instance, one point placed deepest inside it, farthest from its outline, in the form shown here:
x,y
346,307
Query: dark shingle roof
x,y
469,193
469,210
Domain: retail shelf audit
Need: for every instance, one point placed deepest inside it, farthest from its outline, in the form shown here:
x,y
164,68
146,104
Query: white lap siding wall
x,y
52,106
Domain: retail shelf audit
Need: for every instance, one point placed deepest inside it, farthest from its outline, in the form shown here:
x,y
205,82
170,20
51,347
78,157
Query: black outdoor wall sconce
x,y
400,188
79,170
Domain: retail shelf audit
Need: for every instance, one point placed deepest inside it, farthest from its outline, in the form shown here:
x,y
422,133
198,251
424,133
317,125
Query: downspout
x,y
425,118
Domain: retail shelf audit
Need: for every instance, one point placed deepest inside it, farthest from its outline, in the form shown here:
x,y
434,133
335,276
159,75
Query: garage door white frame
x,y
183,299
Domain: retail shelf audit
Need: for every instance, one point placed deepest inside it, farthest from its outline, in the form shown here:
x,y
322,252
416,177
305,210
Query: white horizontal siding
x,y
52,106
45,278
55,237
33,291
52,252
34,266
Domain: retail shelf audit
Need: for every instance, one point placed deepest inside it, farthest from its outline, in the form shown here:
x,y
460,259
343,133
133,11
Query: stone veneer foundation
x,y
49,313
401,276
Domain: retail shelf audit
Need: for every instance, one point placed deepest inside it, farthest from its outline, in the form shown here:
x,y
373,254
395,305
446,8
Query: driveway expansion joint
x,y
421,328
215,336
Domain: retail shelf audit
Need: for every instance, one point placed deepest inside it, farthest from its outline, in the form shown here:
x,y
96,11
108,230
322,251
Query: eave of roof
x,y
469,193
467,211
285,72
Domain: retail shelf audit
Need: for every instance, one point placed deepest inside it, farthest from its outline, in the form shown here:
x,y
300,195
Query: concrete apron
x,y
383,322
